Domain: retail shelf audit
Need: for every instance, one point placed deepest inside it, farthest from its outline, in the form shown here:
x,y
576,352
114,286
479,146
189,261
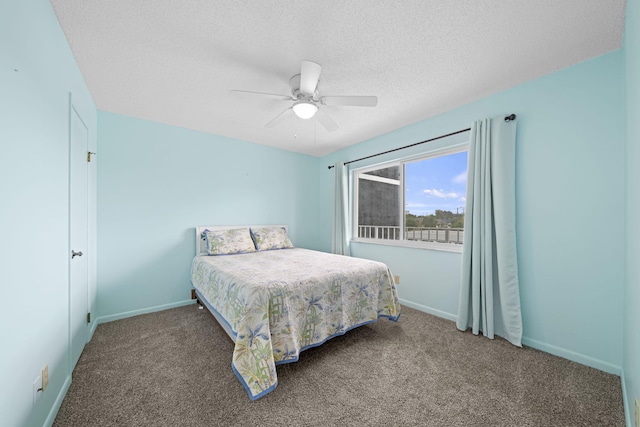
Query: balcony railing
x,y
421,234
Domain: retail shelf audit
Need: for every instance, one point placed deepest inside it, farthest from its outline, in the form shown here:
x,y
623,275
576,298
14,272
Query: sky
x,y
436,183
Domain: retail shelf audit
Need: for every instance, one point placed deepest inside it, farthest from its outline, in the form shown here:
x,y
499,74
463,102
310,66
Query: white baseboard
x,y
628,413
58,402
429,310
92,329
573,356
118,316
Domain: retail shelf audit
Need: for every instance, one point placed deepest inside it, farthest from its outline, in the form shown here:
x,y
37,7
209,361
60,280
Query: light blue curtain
x,y
340,241
490,290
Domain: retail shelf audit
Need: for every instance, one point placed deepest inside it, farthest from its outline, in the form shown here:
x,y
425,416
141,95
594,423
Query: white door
x,y
78,229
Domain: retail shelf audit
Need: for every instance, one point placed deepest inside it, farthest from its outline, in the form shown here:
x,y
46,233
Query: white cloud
x,y
463,199
461,178
442,194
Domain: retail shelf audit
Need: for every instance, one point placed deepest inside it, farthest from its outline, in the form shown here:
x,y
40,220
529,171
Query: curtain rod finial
x,y
329,167
510,118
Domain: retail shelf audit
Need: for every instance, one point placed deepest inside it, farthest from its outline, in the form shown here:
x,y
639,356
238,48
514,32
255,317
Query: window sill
x,y
433,246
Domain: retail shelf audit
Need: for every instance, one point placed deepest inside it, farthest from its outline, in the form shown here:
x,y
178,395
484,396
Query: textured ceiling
x,y
176,61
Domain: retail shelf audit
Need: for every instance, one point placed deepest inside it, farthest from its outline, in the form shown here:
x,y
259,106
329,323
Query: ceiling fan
x,y
306,100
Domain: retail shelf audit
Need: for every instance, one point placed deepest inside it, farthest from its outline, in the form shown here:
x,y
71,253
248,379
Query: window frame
x,y
401,162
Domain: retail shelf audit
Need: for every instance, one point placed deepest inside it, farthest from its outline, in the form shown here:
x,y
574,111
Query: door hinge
x,y
88,317
89,153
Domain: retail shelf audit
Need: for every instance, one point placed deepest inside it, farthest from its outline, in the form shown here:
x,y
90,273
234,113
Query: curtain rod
x,y
508,118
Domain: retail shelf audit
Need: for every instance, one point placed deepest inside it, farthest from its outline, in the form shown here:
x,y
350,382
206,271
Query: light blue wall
x,y
631,353
157,182
37,73
570,210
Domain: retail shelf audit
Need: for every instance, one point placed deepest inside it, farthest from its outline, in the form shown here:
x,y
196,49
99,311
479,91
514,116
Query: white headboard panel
x,y
201,248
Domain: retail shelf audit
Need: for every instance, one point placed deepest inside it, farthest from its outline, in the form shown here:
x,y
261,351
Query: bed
x,y
277,300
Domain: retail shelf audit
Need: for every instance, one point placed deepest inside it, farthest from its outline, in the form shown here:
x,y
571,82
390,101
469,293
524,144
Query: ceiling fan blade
x,y
278,119
309,75
326,121
355,101
274,95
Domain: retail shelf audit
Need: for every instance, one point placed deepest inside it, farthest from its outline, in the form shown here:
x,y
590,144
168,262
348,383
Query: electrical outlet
x,y
637,413
37,388
396,279
45,377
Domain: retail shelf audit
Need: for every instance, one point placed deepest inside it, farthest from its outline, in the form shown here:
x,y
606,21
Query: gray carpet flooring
x,y
173,368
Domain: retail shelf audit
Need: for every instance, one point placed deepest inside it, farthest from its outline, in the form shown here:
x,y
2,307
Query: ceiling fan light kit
x,y
304,88
304,109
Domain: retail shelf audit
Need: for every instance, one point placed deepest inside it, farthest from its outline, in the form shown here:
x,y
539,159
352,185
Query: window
x,y
417,201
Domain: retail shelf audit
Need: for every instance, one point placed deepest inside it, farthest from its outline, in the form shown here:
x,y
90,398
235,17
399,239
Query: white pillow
x,y
267,238
227,242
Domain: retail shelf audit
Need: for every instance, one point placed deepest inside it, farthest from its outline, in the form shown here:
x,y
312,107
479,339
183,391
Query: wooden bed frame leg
x,y
193,294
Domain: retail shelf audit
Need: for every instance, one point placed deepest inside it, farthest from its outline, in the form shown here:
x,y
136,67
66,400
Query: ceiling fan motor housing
x,y
294,83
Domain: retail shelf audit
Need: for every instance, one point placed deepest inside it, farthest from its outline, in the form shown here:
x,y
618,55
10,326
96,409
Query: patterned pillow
x,y
267,238
226,242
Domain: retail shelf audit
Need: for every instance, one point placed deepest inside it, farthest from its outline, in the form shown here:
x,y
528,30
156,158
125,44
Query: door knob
x,y
75,254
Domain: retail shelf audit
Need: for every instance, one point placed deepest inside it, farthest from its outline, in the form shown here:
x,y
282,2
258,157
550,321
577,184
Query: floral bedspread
x,y
277,303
